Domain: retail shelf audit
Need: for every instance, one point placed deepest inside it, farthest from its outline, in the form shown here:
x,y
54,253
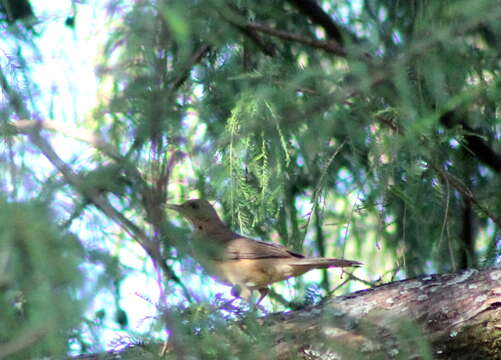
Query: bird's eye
x,y
194,206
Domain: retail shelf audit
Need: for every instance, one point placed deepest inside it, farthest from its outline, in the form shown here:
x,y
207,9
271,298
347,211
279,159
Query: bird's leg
x,y
263,291
236,290
245,293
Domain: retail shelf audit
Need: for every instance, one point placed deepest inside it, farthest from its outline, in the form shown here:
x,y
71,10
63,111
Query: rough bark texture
x,y
444,316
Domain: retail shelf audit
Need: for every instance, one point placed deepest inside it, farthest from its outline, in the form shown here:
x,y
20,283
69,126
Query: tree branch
x,y
474,142
466,192
196,57
392,318
33,128
444,317
266,47
328,46
318,16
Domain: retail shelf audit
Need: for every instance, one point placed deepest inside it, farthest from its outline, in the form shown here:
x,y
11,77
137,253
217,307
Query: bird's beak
x,y
173,207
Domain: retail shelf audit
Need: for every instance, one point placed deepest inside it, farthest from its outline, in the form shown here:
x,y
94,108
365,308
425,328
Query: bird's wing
x,y
245,248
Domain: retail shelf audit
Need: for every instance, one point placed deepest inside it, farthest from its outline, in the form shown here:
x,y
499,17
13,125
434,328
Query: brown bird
x,y
243,263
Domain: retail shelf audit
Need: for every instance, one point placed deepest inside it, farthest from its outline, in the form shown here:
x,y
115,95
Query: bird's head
x,y
198,211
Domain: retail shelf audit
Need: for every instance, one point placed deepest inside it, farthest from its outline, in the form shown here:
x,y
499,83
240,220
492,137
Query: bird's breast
x,y
251,273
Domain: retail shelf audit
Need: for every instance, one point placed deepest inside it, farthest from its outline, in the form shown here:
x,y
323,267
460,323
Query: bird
x,y
243,263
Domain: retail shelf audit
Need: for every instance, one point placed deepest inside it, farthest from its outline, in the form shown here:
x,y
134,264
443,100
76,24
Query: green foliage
x,y
40,281
384,149
246,158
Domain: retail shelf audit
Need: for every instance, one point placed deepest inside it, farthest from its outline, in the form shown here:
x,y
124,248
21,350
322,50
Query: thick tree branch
x,y
459,315
444,317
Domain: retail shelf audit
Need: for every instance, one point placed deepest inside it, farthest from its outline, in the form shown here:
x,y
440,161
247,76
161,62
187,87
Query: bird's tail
x,y
323,263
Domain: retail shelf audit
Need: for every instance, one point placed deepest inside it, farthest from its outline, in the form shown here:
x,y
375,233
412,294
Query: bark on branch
x,y
445,316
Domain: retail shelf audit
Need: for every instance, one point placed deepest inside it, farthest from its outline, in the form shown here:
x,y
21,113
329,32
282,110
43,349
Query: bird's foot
x,y
263,292
228,305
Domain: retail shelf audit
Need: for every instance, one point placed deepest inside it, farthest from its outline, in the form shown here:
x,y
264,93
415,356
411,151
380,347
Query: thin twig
x,y
366,282
317,190
446,214
328,46
466,192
